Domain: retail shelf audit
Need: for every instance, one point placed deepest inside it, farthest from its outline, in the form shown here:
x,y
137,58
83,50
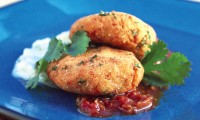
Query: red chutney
x,y
142,99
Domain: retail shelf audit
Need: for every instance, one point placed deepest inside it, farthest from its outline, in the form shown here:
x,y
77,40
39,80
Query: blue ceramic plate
x,y
176,22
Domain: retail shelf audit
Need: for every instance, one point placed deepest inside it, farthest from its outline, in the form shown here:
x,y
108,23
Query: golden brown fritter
x,y
118,29
99,71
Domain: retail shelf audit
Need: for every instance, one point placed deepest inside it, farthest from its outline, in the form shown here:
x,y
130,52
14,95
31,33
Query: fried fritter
x,y
117,29
99,71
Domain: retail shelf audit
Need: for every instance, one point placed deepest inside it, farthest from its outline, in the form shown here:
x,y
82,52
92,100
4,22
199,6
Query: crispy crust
x,y
118,29
99,71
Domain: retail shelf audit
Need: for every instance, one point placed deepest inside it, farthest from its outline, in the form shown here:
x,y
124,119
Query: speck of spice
x,y
143,42
82,26
92,58
65,67
104,92
81,63
81,81
100,64
114,15
54,68
134,32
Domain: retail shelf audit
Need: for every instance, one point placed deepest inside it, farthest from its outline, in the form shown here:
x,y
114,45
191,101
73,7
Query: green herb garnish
x,y
55,50
92,58
42,66
54,68
149,36
102,13
161,70
137,65
80,42
81,81
81,63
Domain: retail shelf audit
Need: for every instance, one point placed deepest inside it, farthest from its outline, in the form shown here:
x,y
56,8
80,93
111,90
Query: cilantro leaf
x,y
55,50
158,52
80,42
32,83
161,70
42,66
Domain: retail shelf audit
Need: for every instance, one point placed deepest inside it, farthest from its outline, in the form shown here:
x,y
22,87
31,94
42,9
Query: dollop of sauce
x,y
24,67
142,99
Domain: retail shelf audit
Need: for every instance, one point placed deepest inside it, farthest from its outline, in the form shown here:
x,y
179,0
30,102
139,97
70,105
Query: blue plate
x,y
176,22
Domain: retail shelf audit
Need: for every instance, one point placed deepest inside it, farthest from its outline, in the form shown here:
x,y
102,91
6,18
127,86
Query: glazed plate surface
x,y
176,22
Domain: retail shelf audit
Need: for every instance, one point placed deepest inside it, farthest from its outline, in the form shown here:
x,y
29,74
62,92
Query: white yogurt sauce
x,y
25,65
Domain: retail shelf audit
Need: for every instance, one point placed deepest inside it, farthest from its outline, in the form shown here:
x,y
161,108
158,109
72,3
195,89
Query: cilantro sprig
x,y
161,70
79,43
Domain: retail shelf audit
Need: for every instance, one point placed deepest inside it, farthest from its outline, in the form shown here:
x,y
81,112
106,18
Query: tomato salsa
x,y
136,101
